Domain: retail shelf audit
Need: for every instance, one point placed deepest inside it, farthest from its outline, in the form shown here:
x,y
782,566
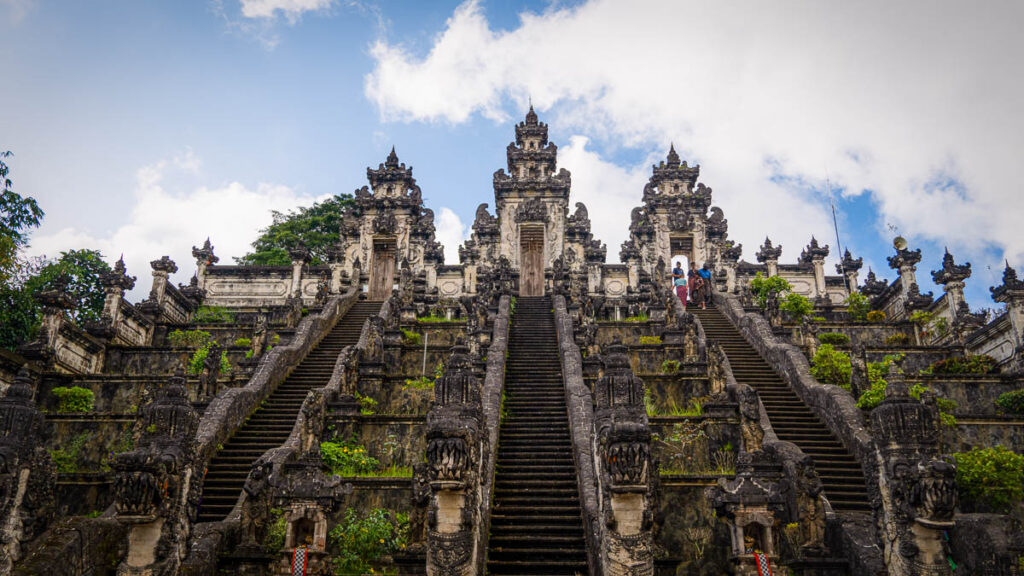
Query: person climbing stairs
x,y
792,420
536,519
271,423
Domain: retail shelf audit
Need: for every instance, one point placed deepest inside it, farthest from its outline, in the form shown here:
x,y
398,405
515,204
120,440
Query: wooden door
x,y
382,273
531,253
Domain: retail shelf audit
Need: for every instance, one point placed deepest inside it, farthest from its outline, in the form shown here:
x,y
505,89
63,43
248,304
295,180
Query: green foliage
x,y
875,316
641,317
922,318
670,366
367,405
900,339
831,366
360,540
277,527
974,364
347,458
66,458
213,315
834,338
1011,402
945,405
435,319
195,364
421,383
243,342
411,338
797,306
877,371
762,287
990,479
73,399
17,216
316,227
189,338
19,316
858,306
650,340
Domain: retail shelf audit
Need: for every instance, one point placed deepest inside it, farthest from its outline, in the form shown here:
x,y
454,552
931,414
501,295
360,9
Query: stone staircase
x,y
536,519
271,424
791,419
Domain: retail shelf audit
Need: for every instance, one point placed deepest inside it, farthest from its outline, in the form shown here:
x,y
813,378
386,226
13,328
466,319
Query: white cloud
x,y
168,219
451,233
16,10
897,98
292,9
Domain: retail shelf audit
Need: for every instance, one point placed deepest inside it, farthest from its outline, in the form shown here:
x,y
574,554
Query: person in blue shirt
x,y
679,281
705,280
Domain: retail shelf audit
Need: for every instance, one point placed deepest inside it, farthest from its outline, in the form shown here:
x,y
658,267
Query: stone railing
x,y
256,286
580,405
494,384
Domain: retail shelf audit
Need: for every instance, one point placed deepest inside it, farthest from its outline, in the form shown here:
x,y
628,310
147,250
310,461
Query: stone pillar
x,y
622,440
814,255
951,277
730,261
769,256
337,266
453,456
204,259
905,263
162,270
918,490
1011,293
849,268
300,256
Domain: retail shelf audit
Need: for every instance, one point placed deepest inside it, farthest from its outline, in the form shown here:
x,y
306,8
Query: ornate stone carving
x,y
768,252
532,210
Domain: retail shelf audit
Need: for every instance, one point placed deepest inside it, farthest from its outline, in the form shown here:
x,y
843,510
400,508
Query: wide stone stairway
x,y
791,419
536,520
271,423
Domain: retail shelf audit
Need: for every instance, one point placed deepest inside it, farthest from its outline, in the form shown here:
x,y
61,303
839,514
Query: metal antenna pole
x,y
835,223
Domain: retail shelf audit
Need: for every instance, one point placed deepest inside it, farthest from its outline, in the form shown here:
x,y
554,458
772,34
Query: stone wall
x,y
405,434
78,546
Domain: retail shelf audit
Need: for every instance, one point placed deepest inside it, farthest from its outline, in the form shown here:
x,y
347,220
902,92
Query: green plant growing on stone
x,y
367,405
189,338
213,315
797,307
990,479
73,399
762,287
897,340
973,364
243,342
858,306
683,448
723,462
360,540
945,405
66,458
347,458
834,338
435,319
195,364
831,366
650,340
421,383
877,385
670,366
411,338
875,316
641,317
1011,402
277,527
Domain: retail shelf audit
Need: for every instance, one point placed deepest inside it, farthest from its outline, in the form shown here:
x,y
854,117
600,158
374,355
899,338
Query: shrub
x,y
797,306
831,366
411,338
243,342
875,316
435,319
897,340
858,306
990,478
1011,402
421,383
762,287
367,405
975,364
348,458
670,366
361,540
273,540
834,338
874,395
650,340
922,318
195,364
641,317
73,399
189,338
213,315
66,458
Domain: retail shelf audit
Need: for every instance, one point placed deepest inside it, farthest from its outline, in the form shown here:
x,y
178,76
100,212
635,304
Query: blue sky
x,y
144,127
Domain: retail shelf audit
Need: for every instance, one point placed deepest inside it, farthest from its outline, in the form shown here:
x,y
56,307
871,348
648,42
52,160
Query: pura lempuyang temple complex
x,y
532,410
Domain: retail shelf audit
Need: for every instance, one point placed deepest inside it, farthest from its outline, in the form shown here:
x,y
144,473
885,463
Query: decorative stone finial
x,y
164,264
768,252
673,158
392,160
205,254
813,252
117,279
531,117
951,271
849,264
1011,288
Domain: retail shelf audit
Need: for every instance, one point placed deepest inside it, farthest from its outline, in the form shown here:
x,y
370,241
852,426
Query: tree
x,y
317,227
17,216
20,314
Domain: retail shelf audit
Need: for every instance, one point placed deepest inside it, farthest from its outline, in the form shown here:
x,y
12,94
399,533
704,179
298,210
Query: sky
x,y
144,127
